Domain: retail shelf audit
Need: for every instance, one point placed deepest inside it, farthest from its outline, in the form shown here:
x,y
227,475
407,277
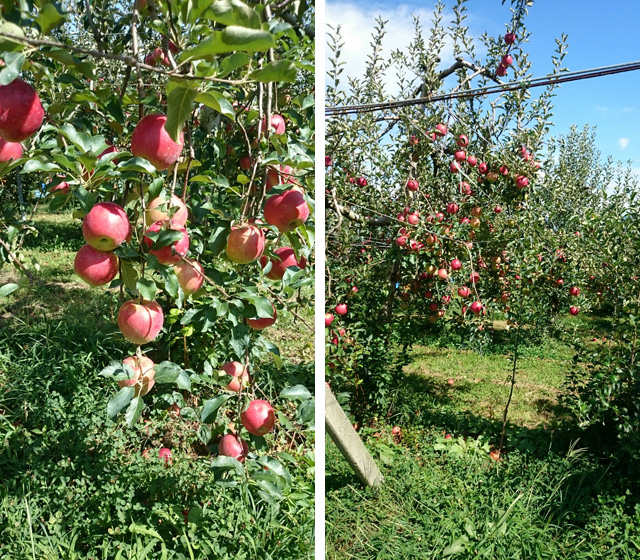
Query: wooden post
x,y
348,442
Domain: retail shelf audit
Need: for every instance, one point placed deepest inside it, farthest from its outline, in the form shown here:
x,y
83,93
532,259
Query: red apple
x,y
341,309
574,310
464,292
140,322
452,208
476,307
286,211
441,130
263,323
443,274
574,291
21,112
278,125
106,226
450,382
95,267
472,160
258,418
232,445
454,167
9,151
170,254
507,60
245,244
239,373
521,181
165,453
395,430
456,264
287,258
160,209
143,375
462,141
328,319
510,38
412,185
59,189
460,155
150,140
483,168
190,276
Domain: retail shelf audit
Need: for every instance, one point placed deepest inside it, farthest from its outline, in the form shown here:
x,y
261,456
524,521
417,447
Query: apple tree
x,y
180,135
453,208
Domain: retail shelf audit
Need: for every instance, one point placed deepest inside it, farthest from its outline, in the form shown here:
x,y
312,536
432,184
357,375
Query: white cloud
x,y
623,142
357,25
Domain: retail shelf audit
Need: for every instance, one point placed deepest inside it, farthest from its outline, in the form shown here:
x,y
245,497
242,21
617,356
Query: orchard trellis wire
x,y
489,90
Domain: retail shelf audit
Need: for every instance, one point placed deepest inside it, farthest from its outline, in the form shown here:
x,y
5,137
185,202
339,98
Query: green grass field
x,y
75,484
445,497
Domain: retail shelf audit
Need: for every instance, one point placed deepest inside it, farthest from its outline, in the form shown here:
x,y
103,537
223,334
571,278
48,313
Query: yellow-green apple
x,y
285,257
286,211
245,244
239,373
258,418
9,151
170,254
190,276
263,323
140,322
143,378
232,445
174,209
95,267
21,112
106,226
150,140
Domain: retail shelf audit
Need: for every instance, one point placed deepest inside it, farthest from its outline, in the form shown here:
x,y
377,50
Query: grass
x,y
547,497
75,485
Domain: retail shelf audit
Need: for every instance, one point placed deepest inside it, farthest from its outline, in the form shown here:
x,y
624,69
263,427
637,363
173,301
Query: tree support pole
x,y
348,442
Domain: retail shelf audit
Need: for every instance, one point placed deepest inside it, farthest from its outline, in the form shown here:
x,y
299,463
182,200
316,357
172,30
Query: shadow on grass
x,y
54,234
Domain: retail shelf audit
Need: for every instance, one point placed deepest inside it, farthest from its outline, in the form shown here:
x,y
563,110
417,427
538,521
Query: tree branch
x,y
354,217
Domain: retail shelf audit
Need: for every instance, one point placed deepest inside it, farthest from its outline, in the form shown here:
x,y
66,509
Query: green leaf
x,y
137,165
457,546
8,289
296,393
306,413
167,372
179,106
49,18
227,463
279,71
164,238
129,276
240,339
120,401
210,408
216,101
12,66
218,238
233,12
133,412
147,288
8,45
33,165
143,530
231,39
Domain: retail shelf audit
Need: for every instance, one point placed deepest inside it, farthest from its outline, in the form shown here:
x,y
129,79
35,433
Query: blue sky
x,y
599,34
